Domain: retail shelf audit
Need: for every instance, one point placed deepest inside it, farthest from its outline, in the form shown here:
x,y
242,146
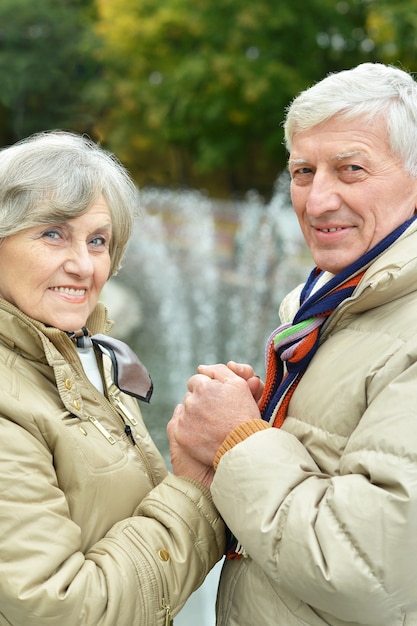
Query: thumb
x,y
173,422
256,387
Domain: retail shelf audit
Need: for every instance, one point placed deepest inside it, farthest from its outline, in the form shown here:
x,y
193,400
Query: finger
x,y
244,370
197,380
218,372
173,422
178,411
256,386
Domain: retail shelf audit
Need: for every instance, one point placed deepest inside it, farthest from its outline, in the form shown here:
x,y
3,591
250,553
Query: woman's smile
x,y
55,273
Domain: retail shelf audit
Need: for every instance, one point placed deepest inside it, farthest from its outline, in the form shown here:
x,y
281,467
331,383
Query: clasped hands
x,y
219,398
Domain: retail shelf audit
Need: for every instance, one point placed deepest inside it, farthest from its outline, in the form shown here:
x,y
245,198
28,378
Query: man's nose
x,y
323,195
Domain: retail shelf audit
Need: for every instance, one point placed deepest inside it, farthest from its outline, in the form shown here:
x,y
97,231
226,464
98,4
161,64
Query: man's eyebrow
x,y
297,162
340,156
346,155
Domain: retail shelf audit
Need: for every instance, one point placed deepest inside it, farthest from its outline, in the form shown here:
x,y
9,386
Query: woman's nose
x,y
79,261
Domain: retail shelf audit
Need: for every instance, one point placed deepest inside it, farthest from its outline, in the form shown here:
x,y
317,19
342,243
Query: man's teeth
x,y
73,292
330,230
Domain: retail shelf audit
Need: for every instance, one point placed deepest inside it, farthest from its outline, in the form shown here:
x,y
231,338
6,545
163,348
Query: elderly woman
x,y
93,529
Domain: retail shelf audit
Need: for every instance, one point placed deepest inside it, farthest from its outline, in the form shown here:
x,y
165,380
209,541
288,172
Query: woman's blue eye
x,y
98,241
51,234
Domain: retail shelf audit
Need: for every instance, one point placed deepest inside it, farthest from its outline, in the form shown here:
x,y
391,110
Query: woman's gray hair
x,y
368,90
55,176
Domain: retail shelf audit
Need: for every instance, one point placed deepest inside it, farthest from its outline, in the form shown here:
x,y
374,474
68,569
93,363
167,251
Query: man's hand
x,y
247,373
217,401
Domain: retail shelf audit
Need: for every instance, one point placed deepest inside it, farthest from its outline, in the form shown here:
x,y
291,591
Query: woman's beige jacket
x,y
326,507
93,530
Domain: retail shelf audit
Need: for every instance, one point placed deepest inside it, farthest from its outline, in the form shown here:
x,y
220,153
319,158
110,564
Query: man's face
x,y
347,189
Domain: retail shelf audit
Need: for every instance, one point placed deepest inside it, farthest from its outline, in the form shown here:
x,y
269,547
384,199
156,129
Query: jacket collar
x,y
32,338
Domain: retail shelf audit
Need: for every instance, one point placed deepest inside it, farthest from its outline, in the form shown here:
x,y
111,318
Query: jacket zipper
x,y
167,609
124,411
129,433
101,429
132,419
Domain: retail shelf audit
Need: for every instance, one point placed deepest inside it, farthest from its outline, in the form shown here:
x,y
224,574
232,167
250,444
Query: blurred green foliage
x,y
186,92
46,59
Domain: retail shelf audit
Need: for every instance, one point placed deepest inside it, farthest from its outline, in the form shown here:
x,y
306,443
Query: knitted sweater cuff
x,y
239,434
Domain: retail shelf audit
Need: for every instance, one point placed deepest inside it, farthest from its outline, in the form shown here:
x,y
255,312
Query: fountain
x,y
201,283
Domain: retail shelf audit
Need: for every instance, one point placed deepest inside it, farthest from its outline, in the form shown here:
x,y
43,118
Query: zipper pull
x,y
132,419
101,429
167,609
129,433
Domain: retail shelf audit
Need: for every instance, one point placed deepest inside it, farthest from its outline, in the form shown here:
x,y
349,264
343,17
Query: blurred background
x,y
186,92
190,95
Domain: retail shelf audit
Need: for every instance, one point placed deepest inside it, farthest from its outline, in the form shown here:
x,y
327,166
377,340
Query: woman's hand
x,y
182,463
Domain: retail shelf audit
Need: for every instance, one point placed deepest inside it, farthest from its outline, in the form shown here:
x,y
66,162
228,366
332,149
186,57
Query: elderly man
x,y
317,477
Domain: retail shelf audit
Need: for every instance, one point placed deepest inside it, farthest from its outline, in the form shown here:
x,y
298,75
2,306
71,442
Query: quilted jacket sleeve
x,y
344,543
142,569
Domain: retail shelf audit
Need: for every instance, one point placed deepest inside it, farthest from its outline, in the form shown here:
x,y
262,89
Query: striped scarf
x,y
296,343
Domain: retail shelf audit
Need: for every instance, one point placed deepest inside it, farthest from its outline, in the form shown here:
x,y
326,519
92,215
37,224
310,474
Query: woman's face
x,y
55,272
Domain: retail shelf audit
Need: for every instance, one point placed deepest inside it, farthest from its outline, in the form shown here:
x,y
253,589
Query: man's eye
x,y
354,168
302,171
